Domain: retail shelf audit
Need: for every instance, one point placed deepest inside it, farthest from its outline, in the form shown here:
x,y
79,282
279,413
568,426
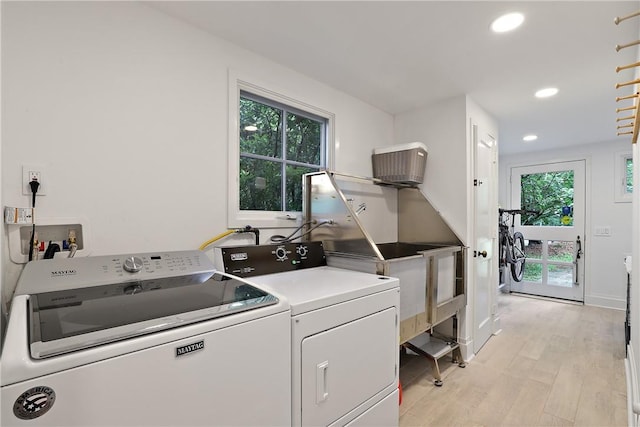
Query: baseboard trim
x,y
464,349
605,302
560,300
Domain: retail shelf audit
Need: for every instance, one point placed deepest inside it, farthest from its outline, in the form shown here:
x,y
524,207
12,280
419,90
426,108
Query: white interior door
x,y
485,206
553,239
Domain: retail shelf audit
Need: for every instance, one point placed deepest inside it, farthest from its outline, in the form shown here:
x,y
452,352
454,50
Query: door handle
x,y
322,390
482,254
579,248
576,260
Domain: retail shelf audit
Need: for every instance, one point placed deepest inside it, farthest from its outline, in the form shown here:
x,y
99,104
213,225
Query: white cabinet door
x,y
344,366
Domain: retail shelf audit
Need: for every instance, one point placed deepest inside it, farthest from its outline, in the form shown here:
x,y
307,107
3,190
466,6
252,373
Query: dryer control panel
x,y
247,261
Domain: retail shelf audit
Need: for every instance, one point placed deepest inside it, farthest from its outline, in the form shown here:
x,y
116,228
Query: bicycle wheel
x,y
517,257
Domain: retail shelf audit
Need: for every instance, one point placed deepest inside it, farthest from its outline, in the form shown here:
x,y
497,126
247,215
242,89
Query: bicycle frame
x,y
511,243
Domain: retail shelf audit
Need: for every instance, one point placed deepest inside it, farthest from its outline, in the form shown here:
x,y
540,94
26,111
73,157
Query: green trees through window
x,y
629,174
278,144
550,195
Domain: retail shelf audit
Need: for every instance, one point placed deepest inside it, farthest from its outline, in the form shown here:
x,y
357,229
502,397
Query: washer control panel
x,y
247,261
132,273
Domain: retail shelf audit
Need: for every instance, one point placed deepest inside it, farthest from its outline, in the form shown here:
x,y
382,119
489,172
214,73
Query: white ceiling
x,y
399,56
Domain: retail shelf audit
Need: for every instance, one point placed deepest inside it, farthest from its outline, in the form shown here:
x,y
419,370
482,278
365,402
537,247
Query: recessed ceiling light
x,y
546,92
507,22
251,128
529,138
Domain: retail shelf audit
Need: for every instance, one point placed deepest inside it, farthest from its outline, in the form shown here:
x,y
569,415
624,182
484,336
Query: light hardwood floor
x,y
553,364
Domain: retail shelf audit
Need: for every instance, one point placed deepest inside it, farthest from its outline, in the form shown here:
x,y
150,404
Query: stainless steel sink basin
x,y
400,249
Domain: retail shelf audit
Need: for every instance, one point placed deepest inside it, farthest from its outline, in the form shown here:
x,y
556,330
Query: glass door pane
x,y
533,266
560,271
550,196
560,275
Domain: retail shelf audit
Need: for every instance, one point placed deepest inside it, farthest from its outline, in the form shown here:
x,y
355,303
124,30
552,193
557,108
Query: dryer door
x,y
345,366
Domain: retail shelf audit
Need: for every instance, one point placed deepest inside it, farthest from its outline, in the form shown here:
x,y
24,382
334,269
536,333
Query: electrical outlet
x,y
31,172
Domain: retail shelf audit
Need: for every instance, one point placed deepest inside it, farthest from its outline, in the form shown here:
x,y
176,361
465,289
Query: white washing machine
x,y
344,333
144,340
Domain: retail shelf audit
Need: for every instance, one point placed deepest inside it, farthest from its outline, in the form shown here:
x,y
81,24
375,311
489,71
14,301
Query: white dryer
x,y
144,340
344,333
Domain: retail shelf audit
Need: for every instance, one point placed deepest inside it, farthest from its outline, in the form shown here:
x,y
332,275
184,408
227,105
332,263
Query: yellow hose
x,y
213,239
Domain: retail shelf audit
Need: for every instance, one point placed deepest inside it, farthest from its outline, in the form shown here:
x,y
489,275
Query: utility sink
x,y
400,249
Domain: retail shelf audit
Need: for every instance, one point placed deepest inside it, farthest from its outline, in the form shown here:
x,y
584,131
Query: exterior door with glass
x,y
554,231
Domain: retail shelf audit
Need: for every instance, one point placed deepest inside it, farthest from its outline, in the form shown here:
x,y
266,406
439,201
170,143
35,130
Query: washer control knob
x,y
302,251
133,264
281,253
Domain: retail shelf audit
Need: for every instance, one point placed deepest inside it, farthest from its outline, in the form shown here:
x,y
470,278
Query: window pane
x,y
533,249
303,139
560,275
273,136
294,194
551,195
629,176
260,185
532,272
561,251
260,129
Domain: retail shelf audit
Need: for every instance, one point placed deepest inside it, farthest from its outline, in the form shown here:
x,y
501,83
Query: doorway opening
x,y
553,195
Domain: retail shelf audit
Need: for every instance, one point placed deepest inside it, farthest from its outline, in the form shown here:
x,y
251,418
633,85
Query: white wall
x,y
127,109
442,128
605,277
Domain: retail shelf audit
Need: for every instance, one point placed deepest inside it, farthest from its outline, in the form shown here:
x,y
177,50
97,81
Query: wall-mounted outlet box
x,y
47,234
54,230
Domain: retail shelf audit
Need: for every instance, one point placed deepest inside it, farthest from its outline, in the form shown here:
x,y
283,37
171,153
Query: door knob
x,y
483,254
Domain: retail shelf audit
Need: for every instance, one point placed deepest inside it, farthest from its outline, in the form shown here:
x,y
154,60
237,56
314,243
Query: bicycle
x,y
511,243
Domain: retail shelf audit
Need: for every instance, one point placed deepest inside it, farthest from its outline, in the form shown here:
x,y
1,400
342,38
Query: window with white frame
x,y
624,177
275,140
628,174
